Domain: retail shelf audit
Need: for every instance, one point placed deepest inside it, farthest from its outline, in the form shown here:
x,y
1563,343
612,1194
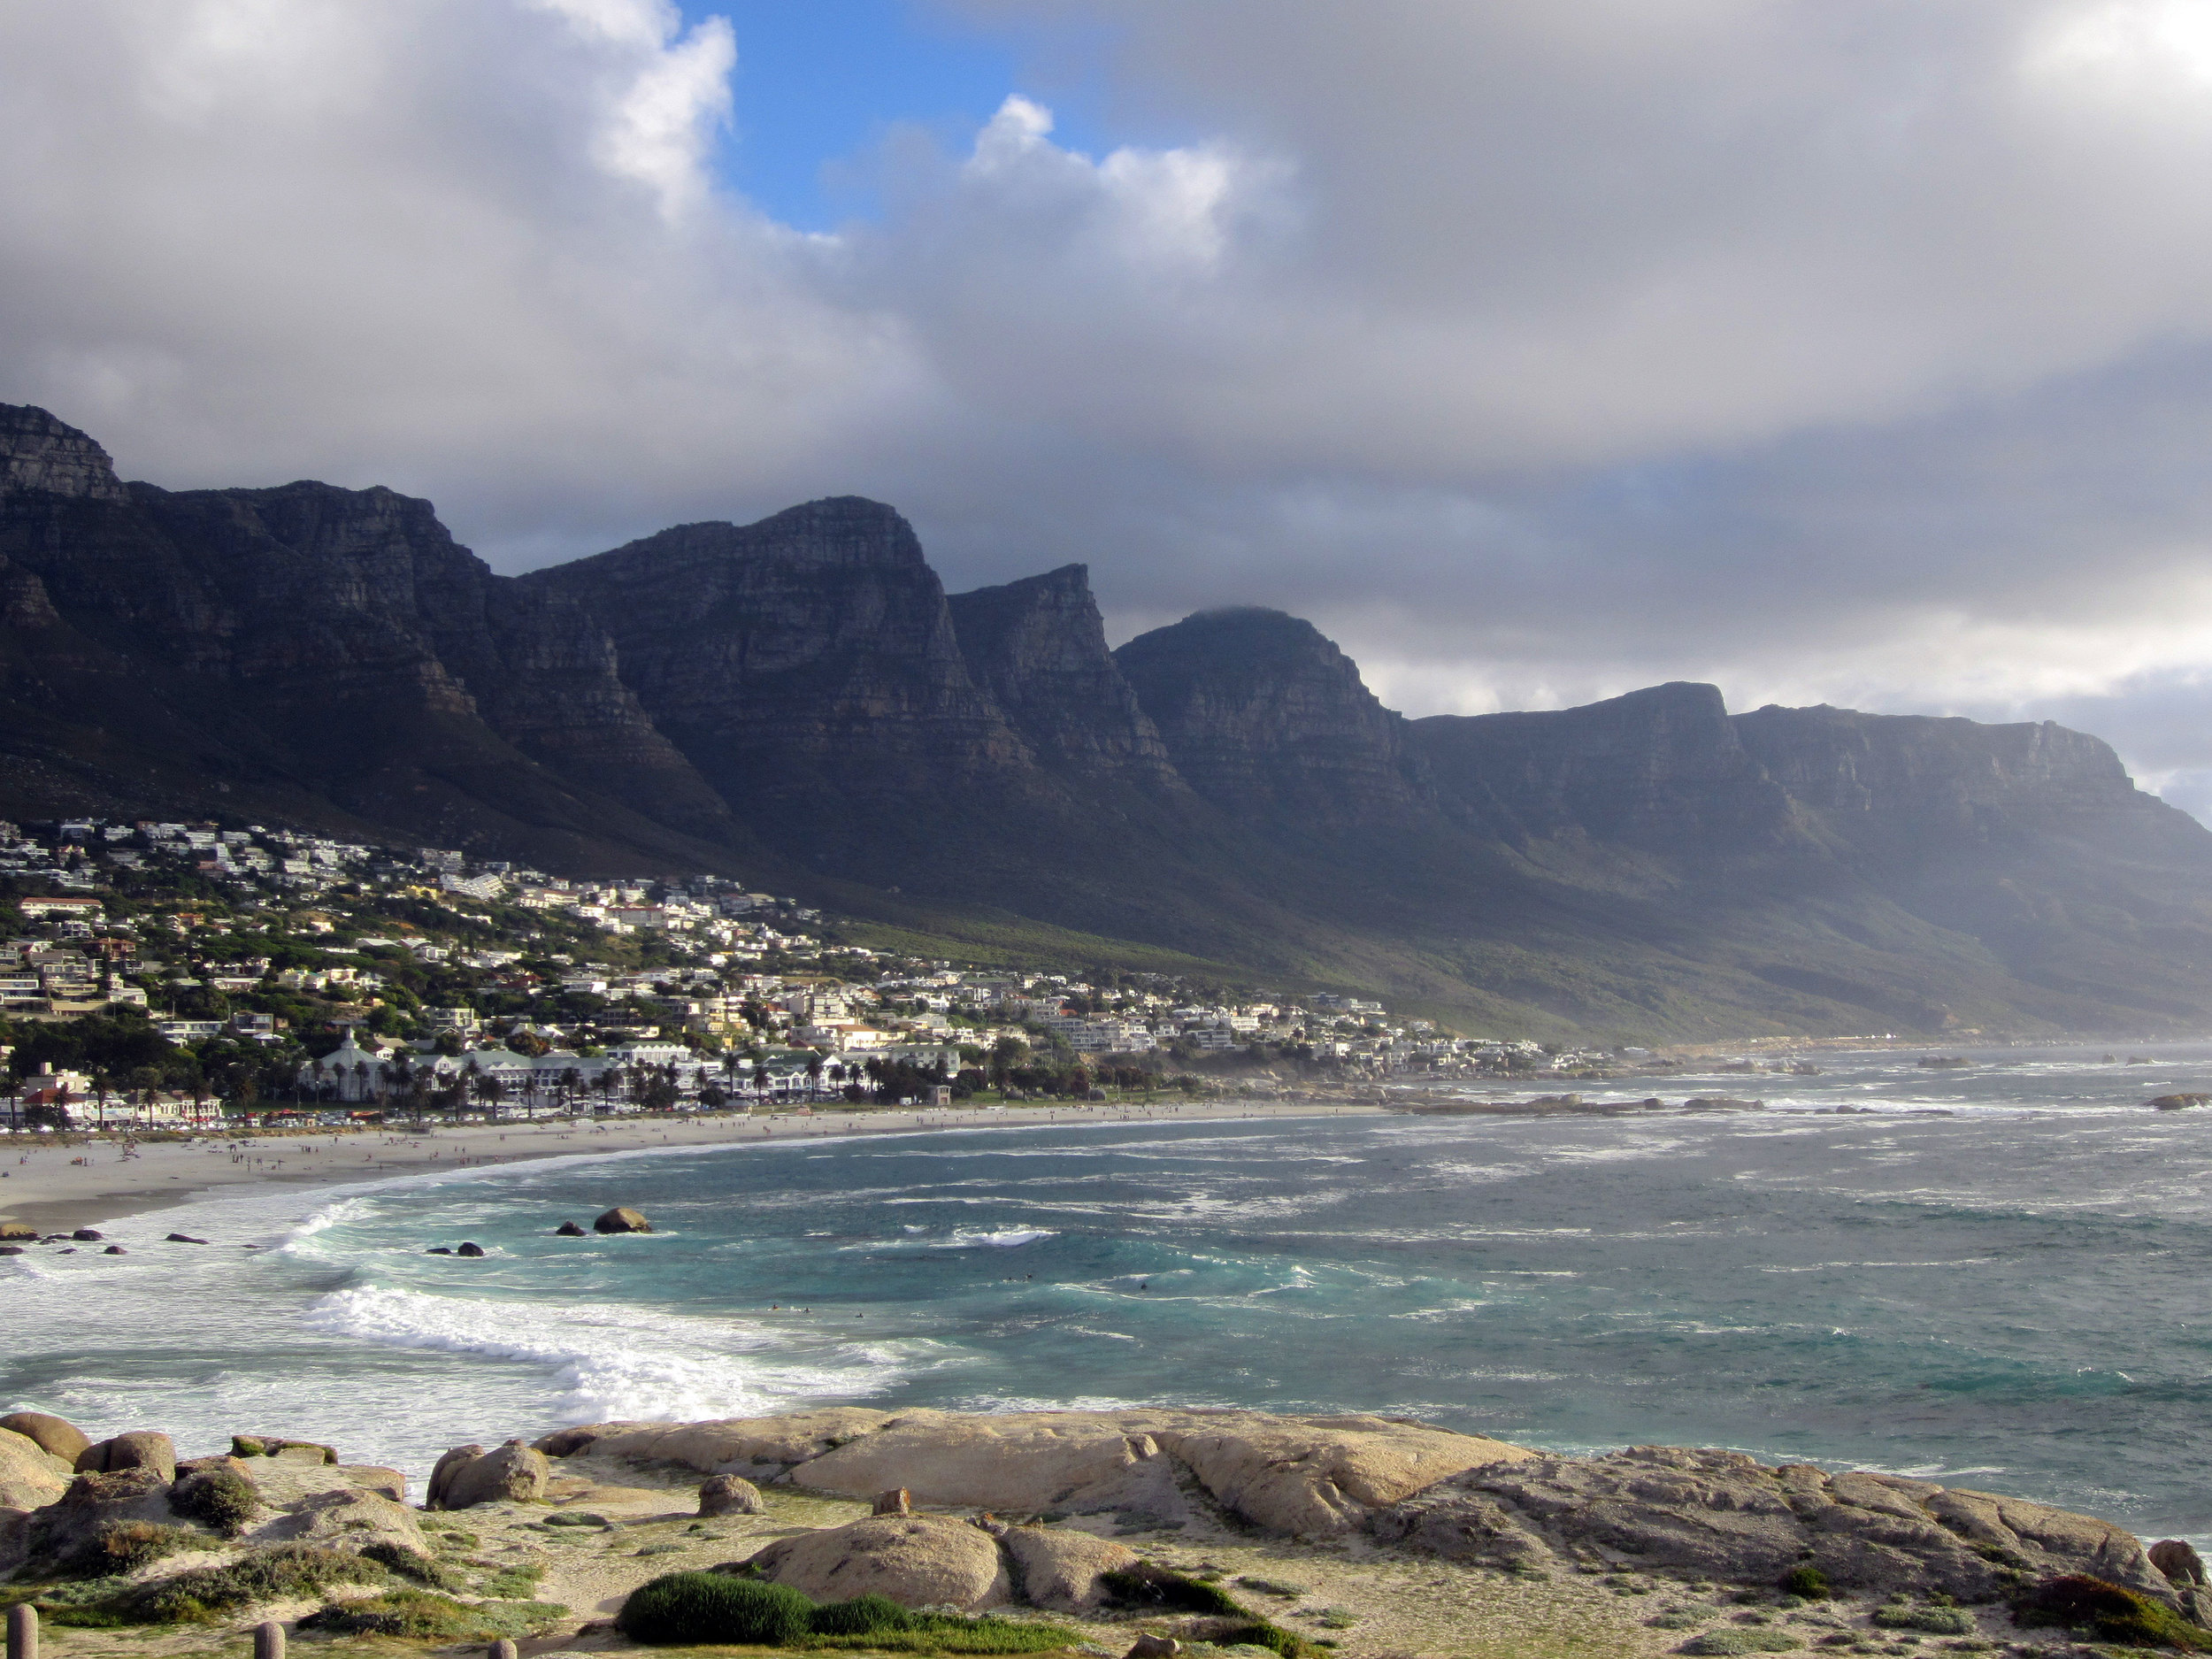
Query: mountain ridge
x,y
800,699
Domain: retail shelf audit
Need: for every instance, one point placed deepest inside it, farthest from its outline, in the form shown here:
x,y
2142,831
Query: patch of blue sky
x,y
820,83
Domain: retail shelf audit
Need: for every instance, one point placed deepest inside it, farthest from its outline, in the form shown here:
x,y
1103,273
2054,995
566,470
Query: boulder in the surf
x,y
57,1436
569,1230
729,1494
621,1218
915,1560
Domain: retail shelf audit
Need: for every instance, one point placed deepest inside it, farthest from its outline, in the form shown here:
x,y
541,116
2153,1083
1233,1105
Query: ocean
x,y
1994,1276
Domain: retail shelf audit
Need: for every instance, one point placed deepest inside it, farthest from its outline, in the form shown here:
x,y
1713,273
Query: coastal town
x,y
169,974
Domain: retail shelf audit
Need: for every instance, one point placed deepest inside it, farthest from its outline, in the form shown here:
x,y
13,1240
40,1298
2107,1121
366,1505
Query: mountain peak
x,y
39,452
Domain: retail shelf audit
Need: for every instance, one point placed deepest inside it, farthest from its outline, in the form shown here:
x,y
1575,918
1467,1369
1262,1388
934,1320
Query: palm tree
x,y
571,1079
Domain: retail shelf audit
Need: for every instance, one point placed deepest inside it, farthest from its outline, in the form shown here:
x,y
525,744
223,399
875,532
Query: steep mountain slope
x,y
799,700
315,653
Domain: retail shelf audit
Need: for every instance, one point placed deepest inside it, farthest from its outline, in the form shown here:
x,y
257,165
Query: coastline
x,y
63,1183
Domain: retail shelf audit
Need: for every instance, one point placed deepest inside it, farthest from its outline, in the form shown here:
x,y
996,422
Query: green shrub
x,y
1145,1585
713,1607
1934,1620
219,1498
1740,1641
126,1546
412,1563
2109,1613
1808,1581
861,1616
420,1616
516,1583
267,1575
939,1634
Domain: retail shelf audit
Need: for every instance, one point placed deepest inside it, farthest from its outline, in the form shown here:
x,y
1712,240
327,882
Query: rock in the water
x,y
898,1500
182,1238
278,1446
12,1250
509,1473
141,1448
115,1249
621,1218
569,1230
2175,1557
729,1494
18,1232
55,1436
1059,1570
87,1235
1720,1515
469,1248
917,1560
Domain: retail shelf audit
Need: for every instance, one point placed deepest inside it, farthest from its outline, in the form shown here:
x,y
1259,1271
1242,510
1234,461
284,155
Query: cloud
x,y
661,118
1846,353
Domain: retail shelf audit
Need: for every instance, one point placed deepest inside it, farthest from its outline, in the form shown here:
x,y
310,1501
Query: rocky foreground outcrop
x,y
1722,1515
53,1517
1692,1514
1299,1476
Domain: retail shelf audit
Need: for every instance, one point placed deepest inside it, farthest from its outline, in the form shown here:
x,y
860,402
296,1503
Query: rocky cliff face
x,y
1663,767
801,689
330,640
1038,647
810,652
39,453
1265,716
1939,779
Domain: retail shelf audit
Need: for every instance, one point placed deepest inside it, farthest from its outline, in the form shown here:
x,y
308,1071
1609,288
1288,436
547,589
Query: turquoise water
x,y
1997,1277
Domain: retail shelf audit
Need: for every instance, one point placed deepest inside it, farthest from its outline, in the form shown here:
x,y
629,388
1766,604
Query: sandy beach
x,y
58,1183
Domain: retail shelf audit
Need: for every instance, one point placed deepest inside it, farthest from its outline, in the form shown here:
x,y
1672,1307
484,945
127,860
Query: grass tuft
x,y
2107,1612
267,1575
424,1616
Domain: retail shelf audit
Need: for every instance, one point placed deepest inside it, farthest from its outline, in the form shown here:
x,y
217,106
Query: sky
x,y
1850,354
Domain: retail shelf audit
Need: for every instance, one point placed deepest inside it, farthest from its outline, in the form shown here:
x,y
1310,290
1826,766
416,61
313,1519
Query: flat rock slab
x,y
1290,1475
1721,1515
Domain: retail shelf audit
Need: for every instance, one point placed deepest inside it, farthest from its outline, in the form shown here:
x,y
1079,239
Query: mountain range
x,y
799,701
